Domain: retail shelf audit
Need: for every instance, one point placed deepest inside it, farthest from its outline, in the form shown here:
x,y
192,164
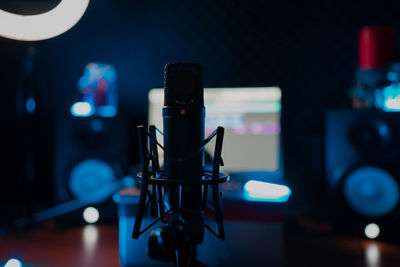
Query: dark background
x,y
308,48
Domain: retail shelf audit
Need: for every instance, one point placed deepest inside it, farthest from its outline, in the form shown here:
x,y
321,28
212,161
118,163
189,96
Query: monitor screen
x,y
251,118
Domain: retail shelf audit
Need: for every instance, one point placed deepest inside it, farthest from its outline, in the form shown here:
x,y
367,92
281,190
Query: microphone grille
x,y
183,84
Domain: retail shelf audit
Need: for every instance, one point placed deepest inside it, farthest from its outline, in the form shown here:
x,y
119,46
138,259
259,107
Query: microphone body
x,y
179,191
183,123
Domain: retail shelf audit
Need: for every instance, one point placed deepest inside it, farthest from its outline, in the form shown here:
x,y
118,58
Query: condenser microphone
x,y
183,123
178,192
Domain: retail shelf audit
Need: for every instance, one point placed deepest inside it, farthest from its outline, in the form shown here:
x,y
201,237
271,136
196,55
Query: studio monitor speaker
x,y
362,163
91,158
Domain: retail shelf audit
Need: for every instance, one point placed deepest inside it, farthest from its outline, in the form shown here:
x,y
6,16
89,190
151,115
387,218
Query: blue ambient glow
x,y
128,181
30,105
263,191
383,129
106,111
13,263
96,125
98,86
82,109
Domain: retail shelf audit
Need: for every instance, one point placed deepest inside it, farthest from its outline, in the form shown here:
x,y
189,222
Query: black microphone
x,y
183,123
178,193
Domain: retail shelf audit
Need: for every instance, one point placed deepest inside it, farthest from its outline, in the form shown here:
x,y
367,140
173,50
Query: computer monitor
x,y
251,117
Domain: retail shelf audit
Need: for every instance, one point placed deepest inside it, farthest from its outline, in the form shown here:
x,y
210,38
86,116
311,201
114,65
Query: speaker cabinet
x,y
91,158
362,154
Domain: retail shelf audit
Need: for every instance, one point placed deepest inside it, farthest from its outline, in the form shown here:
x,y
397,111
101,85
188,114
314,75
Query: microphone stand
x,y
25,111
184,253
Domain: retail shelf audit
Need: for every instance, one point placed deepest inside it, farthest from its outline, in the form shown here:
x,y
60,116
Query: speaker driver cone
x,y
92,179
371,191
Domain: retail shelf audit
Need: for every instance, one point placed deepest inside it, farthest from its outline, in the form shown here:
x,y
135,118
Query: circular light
x,y
13,263
91,215
30,105
372,230
42,26
371,191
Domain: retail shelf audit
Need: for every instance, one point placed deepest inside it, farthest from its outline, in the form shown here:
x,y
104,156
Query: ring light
x,y
42,26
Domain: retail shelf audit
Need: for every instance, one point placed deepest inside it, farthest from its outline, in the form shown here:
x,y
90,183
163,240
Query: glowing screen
x,y
251,118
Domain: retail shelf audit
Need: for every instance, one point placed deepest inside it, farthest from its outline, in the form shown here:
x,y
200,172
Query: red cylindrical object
x,y
376,46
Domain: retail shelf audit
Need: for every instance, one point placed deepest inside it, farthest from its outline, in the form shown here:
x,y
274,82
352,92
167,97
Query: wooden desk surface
x,y
89,245
97,245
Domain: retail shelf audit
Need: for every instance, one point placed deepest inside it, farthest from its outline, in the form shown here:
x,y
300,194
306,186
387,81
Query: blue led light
x,y
383,130
263,191
30,105
157,232
13,263
84,81
106,111
82,109
388,99
96,125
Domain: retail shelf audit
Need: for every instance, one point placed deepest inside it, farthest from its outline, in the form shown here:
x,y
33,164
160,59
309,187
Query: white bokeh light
x,y
42,26
13,263
82,109
372,230
91,215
